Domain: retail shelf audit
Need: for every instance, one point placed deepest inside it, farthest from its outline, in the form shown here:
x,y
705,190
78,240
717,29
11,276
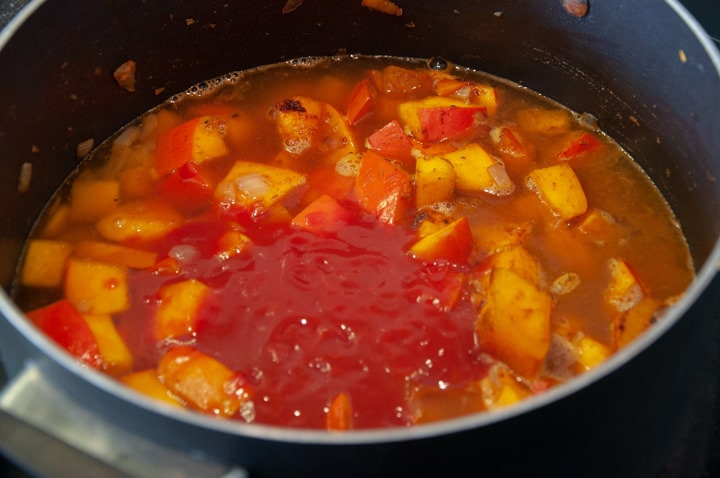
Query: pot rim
x,y
10,312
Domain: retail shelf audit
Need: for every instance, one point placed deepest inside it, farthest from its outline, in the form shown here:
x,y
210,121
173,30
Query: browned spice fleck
x,y
291,105
291,5
125,75
384,6
578,8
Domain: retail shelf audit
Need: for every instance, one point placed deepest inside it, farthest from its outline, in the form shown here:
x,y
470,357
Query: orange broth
x,y
352,242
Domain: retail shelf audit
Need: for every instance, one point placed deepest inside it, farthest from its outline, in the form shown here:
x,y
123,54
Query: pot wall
x,y
56,90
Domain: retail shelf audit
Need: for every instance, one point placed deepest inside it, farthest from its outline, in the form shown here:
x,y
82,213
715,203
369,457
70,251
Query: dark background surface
x,y
707,12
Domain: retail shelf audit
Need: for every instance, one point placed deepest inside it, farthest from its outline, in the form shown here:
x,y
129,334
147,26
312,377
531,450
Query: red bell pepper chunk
x,y
322,215
339,415
383,188
63,323
174,148
361,102
509,145
447,122
584,143
391,142
186,188
327,181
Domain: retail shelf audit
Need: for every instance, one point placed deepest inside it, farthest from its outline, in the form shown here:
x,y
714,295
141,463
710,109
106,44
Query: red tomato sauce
x,y
308,316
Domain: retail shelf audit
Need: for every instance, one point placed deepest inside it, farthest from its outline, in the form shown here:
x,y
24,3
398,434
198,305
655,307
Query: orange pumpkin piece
x,y
339,415
44,264
92,199
96,287
179,304
632,322
591,352
624,290
148,383
478,172
232,243
203,382
452,243
383,189
257,187
520,261
139,220
560,190
501,388
514,325
434,181
115,254
543,121
117,359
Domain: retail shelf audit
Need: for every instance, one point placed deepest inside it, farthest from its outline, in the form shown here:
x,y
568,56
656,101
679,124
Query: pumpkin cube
x,y
434,181
92,199
95,287
514,325
453,243
478,172
179,304
591,353
601,228
560,190
117,359
257,187
634,321
304,123
58,220
492,238
203,382
543,121
115,254
624,290
501,388
44,264
142,220
137,182
520,261
232,243
148,383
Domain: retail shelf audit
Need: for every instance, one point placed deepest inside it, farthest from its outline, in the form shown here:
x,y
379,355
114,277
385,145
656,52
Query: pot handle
x,y
46,433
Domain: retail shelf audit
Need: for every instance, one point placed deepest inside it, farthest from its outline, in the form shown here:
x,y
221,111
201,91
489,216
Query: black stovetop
x,y
691,449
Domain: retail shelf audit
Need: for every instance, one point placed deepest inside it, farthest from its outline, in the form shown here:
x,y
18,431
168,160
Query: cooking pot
x,y
644,68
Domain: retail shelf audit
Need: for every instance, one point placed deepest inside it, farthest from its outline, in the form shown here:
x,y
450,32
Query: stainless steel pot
x,y
644,68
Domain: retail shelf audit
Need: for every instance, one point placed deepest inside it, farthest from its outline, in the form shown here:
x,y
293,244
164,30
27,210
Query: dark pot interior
x,y
622,63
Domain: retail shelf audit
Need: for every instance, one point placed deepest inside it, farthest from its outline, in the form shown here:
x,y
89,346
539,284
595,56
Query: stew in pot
x,y
352,242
